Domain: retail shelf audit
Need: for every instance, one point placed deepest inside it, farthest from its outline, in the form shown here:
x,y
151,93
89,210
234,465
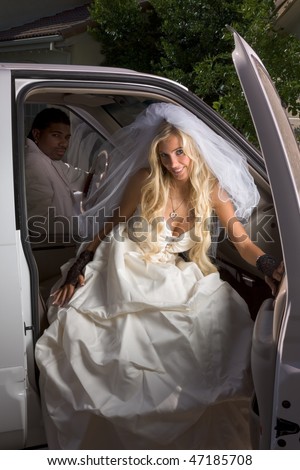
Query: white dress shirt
x,y
50,185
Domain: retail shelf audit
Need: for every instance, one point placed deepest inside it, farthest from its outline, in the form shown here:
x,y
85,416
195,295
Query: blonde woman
x,y
150,351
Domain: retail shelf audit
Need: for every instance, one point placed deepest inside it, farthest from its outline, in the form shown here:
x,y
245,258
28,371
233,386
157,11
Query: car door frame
x,y
22,82
275,352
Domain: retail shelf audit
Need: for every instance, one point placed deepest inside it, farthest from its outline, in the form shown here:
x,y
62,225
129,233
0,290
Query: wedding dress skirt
x,y
149,354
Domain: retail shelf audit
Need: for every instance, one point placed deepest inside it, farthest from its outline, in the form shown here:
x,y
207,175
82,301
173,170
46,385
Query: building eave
x,y
287,14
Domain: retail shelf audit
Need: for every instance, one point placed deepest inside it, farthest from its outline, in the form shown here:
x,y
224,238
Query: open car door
x,y
276,339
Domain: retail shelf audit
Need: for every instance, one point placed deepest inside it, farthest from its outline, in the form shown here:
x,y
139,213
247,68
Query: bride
x,y
146,350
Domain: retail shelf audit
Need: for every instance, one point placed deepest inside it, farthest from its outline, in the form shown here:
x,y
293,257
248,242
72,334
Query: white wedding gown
x,y
149,354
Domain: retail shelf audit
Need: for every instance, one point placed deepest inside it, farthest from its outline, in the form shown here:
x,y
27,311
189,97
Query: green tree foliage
x,y
191,31
127,33
187,41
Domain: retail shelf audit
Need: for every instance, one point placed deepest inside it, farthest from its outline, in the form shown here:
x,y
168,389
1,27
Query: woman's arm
x,y
129,202
235,230
238,235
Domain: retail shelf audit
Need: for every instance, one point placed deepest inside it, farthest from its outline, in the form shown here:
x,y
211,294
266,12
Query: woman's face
x,y
173,158
53,141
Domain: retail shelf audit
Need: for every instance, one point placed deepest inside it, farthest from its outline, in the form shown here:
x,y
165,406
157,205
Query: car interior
x,y
96,114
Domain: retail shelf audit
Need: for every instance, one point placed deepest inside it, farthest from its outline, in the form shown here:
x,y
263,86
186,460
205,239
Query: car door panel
x,y
281,155
12,340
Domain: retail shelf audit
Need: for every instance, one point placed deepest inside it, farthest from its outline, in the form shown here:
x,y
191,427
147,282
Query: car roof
x,y
28,67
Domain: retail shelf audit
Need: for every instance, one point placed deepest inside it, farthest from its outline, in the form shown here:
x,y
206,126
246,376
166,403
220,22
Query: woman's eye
x,y
179,152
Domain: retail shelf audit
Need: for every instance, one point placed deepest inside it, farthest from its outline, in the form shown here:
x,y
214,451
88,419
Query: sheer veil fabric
x,y
128,149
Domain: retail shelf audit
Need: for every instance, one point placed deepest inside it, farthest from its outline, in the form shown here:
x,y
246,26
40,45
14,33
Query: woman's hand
x,y
74,278
64,294
276,277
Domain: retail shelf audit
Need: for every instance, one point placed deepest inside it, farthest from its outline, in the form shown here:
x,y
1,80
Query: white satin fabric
x,y
149,354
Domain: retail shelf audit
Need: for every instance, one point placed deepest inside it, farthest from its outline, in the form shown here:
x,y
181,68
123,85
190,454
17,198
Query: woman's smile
x,y
173,158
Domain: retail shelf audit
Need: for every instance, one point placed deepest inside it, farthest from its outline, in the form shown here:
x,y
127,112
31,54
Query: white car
x,y
99,101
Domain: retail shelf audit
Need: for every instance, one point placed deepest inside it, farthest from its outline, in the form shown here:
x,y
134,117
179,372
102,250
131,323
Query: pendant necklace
x,y
173,214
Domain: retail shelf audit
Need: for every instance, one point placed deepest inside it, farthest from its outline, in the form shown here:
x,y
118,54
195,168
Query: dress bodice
x,y
178,244
165,246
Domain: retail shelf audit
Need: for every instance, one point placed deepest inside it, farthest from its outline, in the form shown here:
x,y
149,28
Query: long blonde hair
x,y
156,190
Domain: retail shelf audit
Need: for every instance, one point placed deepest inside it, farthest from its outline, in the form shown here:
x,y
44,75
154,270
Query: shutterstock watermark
x,y
77,229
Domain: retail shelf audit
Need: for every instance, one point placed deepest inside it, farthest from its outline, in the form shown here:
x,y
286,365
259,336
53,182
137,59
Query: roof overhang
x,y
287,15
39,42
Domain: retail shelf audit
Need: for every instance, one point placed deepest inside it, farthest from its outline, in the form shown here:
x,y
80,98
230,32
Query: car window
x,y
84,144
126,110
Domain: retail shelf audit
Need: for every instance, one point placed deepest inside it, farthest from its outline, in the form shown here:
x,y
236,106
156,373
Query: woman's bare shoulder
x,y
143,173
132,194
140,176
218,194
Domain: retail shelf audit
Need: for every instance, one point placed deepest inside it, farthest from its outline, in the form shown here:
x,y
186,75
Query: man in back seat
x,y
51,183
